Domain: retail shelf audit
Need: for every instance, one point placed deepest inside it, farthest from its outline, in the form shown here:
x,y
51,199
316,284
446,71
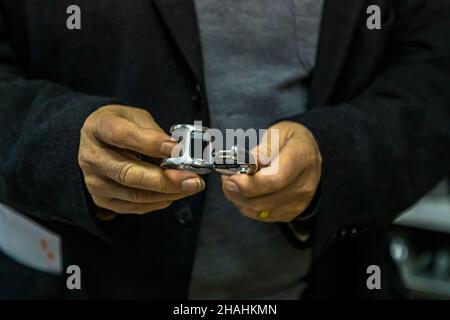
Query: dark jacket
x,y
379,109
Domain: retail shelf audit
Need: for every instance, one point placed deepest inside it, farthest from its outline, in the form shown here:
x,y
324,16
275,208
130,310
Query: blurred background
x,y
420,244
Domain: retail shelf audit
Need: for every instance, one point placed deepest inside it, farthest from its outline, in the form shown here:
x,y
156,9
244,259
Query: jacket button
x,y
185,216
196,99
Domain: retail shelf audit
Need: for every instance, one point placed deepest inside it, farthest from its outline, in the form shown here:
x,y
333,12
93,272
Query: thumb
x,y
133,129
268,147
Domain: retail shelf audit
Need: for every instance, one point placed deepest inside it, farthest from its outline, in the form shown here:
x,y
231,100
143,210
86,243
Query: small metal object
x,y
225,162
263,214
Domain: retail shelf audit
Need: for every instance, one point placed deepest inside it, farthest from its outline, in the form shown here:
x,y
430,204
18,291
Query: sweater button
x,y
197,98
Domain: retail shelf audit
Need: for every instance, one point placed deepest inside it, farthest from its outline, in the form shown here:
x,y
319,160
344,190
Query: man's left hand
x,y
287,182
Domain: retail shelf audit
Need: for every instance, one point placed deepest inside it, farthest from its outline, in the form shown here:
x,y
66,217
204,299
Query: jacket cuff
x,y
56,169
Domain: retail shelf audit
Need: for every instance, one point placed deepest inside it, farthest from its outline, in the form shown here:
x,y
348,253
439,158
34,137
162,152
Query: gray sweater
x,y
258,56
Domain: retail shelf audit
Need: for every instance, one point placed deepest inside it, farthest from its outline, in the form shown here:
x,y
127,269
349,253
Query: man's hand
x,y
287,191
111,140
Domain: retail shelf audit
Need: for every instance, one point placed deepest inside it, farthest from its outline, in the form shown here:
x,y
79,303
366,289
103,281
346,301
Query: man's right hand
x,y
115,177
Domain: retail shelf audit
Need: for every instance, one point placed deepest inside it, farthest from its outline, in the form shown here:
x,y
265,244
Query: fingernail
x,y
231,186
263,159
192,185
166,147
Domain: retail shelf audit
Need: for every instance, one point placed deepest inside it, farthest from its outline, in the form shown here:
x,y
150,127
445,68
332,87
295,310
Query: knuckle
x,y
139,177
308,191
88,126
133,195
96,201
85,128
121,171
144,112
84,159
163,184
147,196
129,174
299,208
318,159
92,183
100,122
118,134
99,202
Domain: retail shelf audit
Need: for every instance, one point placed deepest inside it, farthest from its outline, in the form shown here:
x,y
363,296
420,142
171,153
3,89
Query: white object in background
x,y
28,242
430,213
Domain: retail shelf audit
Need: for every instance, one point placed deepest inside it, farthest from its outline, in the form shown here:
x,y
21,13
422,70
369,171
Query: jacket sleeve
x,y
388,146
40,123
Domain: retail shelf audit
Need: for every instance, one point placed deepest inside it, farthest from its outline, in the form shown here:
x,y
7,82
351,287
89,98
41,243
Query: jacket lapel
x,y
338,25
339,21
180,18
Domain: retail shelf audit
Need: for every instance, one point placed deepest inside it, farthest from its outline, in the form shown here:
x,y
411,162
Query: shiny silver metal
x,y
225,162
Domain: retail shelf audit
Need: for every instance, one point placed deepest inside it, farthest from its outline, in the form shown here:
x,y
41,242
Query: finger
x,y
131,172
292,199
268,148
126,207
107,188
120,132
265,202
281,172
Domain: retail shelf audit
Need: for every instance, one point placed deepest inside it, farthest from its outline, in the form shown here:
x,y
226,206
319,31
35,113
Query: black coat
x,y
379,109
